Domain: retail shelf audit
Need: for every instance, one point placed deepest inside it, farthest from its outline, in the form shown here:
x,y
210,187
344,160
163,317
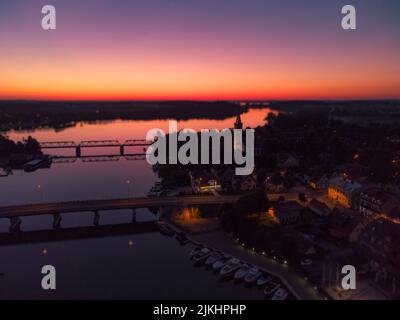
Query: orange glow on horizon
x,y
190,51
103,78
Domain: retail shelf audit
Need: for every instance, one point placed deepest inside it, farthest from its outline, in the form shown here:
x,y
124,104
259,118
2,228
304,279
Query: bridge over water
x,y
14,213
77,233
94,144
98,158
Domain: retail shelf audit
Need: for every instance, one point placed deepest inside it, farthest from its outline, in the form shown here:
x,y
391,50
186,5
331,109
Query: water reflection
x,y
125,266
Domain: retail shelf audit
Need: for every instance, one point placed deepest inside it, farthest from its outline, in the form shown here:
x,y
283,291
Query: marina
x,y
230,268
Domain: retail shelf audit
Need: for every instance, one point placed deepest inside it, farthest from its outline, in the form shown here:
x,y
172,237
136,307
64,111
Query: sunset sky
x,y
199,49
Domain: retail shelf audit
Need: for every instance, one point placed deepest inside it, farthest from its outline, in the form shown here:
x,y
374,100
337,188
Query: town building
x,y
203,181
248,183
238,123
374,200
379,245
319,208
318,182
289,212
344,191
343,226
287,161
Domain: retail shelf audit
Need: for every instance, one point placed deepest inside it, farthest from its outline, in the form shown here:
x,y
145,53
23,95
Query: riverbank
x,y
30,115
218,239
224,242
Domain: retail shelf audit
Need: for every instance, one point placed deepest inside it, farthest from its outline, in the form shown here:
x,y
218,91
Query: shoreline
x,y
222,241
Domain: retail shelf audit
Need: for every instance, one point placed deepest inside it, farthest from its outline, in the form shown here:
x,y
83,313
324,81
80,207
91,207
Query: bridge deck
x,y
76,233
93,144
111,204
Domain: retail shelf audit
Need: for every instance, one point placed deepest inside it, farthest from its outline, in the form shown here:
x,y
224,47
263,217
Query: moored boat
x,y
270,288
194,251
220,263
165,228
263,280
230,268
37,164
241,272
280,294
182,238
212,258
252,276
202,255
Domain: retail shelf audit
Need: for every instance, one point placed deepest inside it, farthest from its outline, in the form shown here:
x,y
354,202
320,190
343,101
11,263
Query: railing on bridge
x,y
94,143
99,143
137,143
97,158
101,158
58,144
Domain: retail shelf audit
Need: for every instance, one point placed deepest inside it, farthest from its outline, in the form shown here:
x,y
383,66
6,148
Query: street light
x,y
39,187
128,183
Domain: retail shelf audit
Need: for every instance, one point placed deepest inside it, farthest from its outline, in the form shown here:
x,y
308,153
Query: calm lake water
x,y
136,266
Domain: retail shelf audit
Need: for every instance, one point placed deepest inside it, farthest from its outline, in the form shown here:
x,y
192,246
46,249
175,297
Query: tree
x,y
302,197
276,179
381,168
32,146
254,202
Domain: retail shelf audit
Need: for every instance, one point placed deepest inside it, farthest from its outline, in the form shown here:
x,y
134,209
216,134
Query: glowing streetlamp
x,y
128,183
40,190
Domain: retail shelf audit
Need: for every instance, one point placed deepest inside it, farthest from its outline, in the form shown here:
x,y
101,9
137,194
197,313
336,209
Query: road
x,y
111,204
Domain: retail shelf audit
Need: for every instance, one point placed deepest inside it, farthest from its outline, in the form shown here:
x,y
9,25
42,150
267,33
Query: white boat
x,y
37,164
263,280
165,228
212,258
194,252
241,272
220,263
155,192
202,255
280,294
230,268
182,238
270,288
252,275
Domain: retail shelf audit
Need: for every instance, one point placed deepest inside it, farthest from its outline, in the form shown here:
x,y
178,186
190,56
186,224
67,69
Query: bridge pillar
x,y
133,215
96,220
121,150
78,151
57,218
15,224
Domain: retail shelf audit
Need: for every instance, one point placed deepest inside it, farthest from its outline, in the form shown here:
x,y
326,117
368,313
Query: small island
x,y
24,154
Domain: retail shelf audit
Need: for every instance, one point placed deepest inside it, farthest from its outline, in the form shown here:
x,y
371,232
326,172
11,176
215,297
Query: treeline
x,y
59,114
29,146
354,108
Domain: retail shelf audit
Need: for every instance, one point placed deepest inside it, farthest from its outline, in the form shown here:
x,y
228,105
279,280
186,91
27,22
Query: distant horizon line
x,y
198,100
